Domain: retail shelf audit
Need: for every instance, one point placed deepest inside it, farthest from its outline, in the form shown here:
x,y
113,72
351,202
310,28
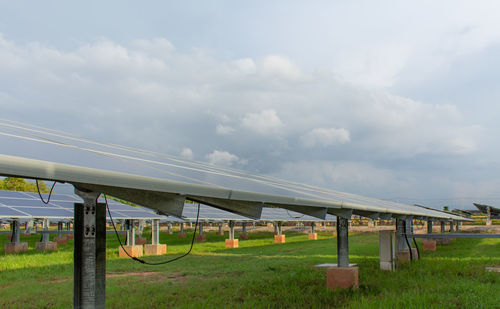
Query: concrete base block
x,y
135,251
403,256
181,235
244,236
70,236
201,238
312,236
342,277
159,249
279,239
429,244
46,246
140,241
15,247
232,243
61,240
386,265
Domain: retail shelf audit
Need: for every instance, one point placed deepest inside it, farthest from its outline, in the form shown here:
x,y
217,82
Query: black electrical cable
x,y
40,194
148,263
407,242
416,246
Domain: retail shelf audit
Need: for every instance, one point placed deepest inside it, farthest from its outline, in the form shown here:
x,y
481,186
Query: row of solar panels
x,y
28,205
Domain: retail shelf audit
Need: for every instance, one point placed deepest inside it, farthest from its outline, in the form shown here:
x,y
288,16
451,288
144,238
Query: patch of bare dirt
x,y
156,276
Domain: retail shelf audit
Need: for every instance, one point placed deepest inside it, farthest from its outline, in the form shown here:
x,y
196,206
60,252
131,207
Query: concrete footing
x,y
181,235
70,236
404,256
429,244
244,236
134,251
232,243
312,236
342,277
46,246
279,239
60,240
201,238
15,247
159,249
140,241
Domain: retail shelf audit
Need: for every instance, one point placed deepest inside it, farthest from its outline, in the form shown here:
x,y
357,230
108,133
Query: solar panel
x,y
20,139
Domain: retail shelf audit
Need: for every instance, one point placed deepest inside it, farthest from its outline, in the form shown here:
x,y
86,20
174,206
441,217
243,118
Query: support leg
x,y
155,248
231,242
244,234
343,276
313,235
181,234
89,252
280,238
200,237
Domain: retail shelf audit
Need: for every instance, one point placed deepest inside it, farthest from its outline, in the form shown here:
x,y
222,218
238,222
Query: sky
x,y
390,99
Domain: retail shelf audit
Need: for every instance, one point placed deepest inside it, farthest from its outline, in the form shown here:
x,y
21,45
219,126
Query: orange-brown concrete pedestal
x,y
279,239
60,240
201,238
244,236
429,244
342,277
159,249
46,246
140,241
312,236
232,243
70,236
15,247
134,251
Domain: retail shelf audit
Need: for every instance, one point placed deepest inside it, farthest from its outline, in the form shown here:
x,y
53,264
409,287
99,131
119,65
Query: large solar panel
x,y
23,140
28,205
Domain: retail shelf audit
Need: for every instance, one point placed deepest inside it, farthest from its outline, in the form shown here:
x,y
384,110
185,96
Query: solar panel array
x,y
20,139
27,205
208,213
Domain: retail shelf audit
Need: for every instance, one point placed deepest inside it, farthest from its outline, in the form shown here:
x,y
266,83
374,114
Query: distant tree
x,y
20,184
446,208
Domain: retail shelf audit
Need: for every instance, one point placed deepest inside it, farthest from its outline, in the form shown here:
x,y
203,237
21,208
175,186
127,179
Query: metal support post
x,y
46,235
59,228
16,231
200,227
442,227
342,242
130,232
457,227
429,227
280,232
220,228
155,231
169,228
313,225
89,252
275,228
400,234
244,228
451,226
182,228
231,229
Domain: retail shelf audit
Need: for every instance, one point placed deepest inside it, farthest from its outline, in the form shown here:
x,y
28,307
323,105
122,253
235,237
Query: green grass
x,y
261,274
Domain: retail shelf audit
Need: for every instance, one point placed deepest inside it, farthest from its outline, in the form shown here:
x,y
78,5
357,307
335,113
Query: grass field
x,y
261,274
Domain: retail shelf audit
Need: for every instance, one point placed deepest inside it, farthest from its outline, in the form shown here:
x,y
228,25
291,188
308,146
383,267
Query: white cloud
x,y
325,137
223,130
223,158
279,66
265,122
187,153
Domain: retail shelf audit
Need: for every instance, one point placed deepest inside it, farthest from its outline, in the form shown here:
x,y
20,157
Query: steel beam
x,y
89,252
342,242
155,231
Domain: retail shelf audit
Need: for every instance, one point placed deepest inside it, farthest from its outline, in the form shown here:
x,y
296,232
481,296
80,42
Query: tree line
x,y
20,184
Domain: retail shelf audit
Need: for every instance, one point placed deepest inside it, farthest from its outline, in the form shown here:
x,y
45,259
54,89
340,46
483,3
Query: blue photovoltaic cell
x,y
10,213
13,194
21,202
65,205
46,212
55,197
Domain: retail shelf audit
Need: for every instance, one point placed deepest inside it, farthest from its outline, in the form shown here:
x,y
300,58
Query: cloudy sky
x,y
391,99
